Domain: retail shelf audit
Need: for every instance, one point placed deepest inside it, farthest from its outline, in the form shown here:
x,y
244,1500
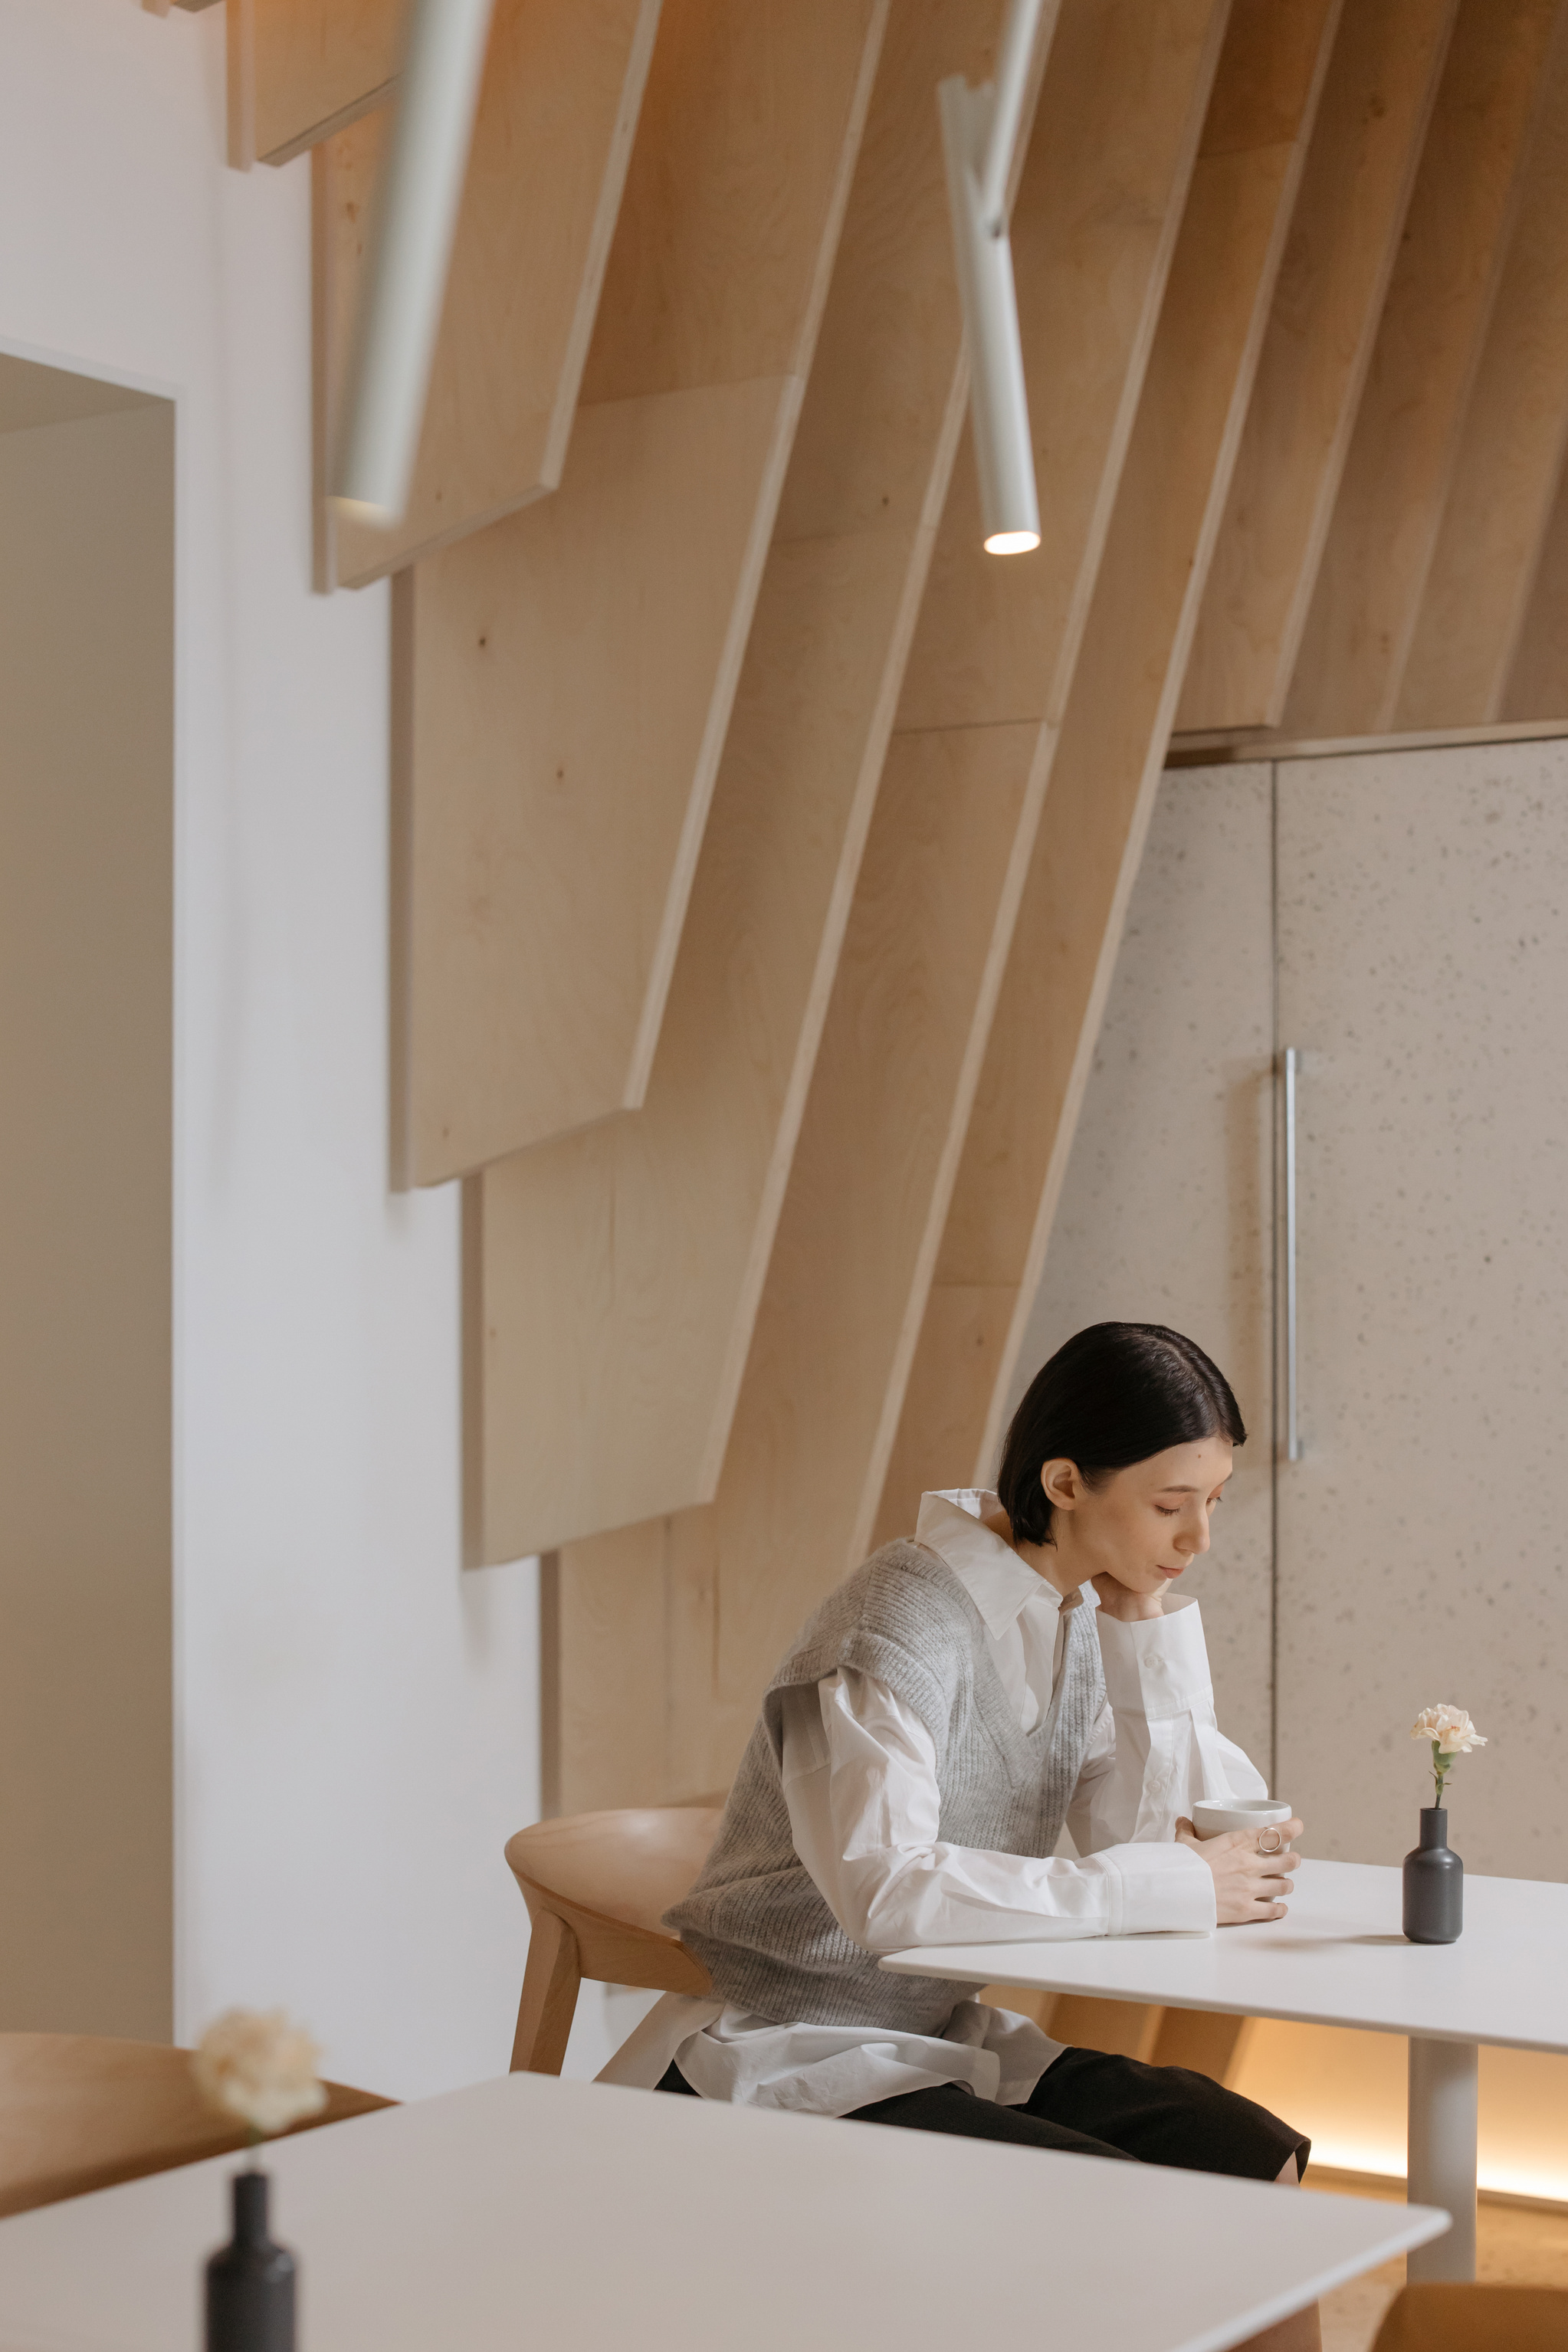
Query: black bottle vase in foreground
x,y
250,2282
1434,1884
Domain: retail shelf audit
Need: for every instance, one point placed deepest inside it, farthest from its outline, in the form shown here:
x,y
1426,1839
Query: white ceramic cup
x,y
1212,1818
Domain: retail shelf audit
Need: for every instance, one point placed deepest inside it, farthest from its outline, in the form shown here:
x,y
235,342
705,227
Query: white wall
x,y
356,1718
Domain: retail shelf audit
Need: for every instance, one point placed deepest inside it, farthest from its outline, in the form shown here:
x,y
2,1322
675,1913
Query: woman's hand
x,y
1246,1884
1118,1600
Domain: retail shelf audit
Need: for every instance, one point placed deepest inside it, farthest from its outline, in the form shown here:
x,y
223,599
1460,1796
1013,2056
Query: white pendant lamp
x,y
417,217
980,131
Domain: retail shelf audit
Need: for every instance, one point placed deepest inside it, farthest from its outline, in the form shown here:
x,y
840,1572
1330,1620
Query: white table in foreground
x,y
530,2211
1339,1959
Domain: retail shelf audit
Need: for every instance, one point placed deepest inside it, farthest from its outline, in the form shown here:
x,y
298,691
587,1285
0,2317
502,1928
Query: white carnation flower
x,y
258,2067
1448,1728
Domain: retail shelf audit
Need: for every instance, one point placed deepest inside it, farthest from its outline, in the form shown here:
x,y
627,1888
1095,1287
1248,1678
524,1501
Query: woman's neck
x,y
1048,1561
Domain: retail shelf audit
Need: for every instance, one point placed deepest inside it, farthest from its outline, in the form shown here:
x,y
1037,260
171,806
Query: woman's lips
x,y
1160,1569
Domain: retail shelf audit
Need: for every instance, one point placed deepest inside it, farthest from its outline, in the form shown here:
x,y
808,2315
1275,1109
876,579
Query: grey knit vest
x,y
756,1918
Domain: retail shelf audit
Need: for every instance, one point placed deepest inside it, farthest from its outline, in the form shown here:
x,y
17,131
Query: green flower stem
x,y
1440,1773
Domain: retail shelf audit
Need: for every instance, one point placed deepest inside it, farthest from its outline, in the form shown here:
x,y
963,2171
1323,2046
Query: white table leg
x,y
1440,2160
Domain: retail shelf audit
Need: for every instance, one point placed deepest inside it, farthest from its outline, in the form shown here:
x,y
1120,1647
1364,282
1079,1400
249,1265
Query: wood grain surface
x,y
558,110
600,632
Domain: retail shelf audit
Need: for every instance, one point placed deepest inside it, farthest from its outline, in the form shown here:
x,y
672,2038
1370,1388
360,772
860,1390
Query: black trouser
x,y
1092,2104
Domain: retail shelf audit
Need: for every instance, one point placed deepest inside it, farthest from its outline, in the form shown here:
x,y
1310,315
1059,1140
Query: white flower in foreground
x,y
1448,1728
259,2068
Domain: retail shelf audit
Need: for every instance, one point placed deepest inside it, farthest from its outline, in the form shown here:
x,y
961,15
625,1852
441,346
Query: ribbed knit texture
x,y
756,1918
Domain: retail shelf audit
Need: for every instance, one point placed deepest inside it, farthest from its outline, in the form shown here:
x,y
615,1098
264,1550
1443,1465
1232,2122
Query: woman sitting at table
x,y
956,1702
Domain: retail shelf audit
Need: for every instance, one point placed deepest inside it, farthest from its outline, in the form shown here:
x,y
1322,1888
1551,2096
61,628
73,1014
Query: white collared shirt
x,y
860,1782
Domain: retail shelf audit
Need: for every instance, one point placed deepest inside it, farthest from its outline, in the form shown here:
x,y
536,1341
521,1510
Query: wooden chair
x,y
81,2111
1476,2319
597,1885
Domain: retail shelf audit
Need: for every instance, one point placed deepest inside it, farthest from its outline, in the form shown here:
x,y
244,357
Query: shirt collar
x,y
1000,1585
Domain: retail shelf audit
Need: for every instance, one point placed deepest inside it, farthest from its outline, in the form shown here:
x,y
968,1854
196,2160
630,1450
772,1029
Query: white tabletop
x,y
530,2211
1337,1958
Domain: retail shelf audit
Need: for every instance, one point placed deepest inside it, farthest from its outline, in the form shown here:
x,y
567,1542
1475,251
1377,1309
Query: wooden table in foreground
x,y
531,2211
1339,1959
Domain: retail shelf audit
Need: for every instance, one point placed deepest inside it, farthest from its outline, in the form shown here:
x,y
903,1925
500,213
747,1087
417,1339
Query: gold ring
x,y
1273,1832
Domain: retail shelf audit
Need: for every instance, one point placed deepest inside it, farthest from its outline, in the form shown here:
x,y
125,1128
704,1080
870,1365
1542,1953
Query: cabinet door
x,y
1422,912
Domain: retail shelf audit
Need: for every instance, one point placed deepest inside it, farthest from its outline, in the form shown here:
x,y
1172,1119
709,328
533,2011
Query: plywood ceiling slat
x,y
622,1264
300,70
1344,235
1429,343
575,666
1125,687
1510,457
1112,153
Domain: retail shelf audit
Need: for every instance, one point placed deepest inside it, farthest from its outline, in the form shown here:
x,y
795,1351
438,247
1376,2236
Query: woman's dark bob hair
x,y
1115,1394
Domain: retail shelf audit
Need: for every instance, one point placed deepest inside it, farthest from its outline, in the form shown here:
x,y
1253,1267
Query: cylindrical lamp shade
x,y
998,402
416,218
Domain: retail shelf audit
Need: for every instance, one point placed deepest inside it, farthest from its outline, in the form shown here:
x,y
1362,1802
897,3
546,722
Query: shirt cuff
x,y
1156,1666
1163,1887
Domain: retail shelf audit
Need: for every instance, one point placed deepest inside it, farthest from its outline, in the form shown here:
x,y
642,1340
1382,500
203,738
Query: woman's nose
x,y
1194,1540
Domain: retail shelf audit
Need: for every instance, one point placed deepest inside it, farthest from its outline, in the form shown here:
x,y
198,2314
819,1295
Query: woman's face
x,y
1145,1525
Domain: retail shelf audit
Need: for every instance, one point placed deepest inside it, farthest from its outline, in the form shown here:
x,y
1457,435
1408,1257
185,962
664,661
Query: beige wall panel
x,y
638,1244
300,70
1396,475
1344,234
1102,180
1166,1213
87,659
625,601
1420,1553
1106,767
563,82
1510,457
901,1050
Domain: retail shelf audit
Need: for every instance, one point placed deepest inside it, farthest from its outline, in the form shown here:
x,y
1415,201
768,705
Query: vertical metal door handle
x,y
1292,1425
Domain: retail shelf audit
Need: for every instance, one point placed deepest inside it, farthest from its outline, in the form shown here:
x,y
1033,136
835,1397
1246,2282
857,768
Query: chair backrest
x,y
81,2111
1465,2318
612,1876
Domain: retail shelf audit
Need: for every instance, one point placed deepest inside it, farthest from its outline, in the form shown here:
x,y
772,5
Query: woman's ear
x,y
1063,1486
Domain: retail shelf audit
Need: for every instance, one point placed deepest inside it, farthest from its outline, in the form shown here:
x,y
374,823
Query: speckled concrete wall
x,y
1164,1216
1424,972
1423,1538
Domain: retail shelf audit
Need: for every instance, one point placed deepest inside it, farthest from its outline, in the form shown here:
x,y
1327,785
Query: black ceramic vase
x,y
1434,1884
250,2282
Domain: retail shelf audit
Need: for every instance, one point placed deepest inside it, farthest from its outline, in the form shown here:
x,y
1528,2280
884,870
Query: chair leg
x,y
549,2001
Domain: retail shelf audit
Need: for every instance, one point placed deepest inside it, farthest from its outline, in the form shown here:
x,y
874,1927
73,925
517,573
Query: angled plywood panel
x,y
950,854
575,666
1095,224
300,70
1108,762
1349,215
1537,685
1429,342
563,86
1510,457
621,1265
